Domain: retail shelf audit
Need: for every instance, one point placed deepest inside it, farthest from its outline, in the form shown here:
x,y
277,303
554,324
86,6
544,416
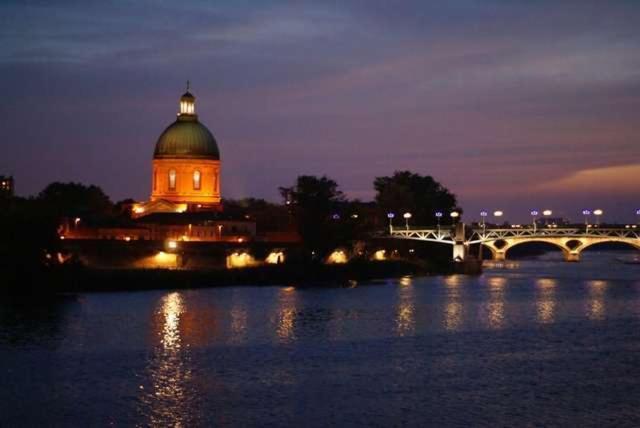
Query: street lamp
x,y
483,214
586,214
534,214
438,217
406,216
454,215
497,214
638,214
547,214
390,216
598,213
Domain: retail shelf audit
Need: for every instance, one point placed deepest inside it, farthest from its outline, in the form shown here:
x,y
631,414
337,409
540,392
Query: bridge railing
x,y
480,234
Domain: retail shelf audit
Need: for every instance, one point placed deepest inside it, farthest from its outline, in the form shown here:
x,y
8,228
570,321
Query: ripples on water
x,y
546,343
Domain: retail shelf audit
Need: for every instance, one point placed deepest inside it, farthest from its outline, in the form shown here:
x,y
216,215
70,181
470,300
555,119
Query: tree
x,y
422,196
76,200
312,202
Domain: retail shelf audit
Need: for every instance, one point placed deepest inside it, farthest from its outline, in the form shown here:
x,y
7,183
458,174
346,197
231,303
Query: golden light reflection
x,y
405,310
338,256
380,255
596,309
495,309
286,315
275,257
453,310
240,260
172,309
546,300
169,368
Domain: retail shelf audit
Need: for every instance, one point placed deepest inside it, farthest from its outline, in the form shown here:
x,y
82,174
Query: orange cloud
x,y
612,179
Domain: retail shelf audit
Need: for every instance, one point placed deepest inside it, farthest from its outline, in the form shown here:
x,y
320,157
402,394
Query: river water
x,y
541,342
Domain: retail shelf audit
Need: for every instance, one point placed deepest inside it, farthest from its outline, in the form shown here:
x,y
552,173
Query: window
x,y
196,180
155,179
172,179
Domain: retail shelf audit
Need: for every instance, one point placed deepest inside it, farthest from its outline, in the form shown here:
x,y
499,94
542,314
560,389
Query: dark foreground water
x,y
544,343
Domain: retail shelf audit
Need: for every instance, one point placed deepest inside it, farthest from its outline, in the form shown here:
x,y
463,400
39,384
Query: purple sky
x,y
511,104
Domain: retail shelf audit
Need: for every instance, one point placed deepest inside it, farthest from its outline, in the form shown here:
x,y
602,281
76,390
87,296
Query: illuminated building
x,y
185,172
6,185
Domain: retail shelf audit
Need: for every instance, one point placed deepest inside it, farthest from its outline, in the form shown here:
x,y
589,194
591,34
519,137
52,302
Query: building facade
x,y
185,166
6,186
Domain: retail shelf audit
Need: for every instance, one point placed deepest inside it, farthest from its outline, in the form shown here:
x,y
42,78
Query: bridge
x,y
571,240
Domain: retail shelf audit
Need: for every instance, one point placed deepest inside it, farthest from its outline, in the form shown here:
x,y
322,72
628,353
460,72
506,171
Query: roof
x,y
186,138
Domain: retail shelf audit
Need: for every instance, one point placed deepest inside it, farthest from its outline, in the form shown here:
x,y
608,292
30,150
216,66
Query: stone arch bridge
x,y
572,241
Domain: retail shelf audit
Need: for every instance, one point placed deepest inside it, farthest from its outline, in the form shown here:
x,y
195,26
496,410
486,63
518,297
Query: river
x,y
540,342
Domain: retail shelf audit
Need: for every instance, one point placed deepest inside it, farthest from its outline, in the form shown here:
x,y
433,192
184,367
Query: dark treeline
x,y
315,206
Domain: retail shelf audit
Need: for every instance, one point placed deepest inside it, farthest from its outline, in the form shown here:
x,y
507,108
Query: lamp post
x,y
406,216
497,214
638,214
534,214
586,214
438,217
598,213
547,214
454,215
483,215
390,216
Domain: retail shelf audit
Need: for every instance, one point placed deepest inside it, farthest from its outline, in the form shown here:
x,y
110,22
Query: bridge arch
x,y
622,241
569,254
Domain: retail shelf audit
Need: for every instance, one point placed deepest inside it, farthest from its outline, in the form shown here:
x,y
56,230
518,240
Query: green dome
x,y
187,138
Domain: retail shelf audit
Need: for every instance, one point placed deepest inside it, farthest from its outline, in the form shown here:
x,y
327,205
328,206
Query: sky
x,y
511,104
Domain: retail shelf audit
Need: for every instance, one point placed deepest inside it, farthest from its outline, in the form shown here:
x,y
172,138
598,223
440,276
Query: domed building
x,y
186,166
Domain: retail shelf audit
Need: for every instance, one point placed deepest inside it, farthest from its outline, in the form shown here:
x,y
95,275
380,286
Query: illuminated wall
x,y
184,186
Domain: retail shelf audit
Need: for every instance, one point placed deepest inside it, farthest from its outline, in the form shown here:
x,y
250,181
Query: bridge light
x,y
438,214
598,213
547,212
586,212
455,214
390,216
336,216
498,213
406,216
172,245
534,212
483,213
638,211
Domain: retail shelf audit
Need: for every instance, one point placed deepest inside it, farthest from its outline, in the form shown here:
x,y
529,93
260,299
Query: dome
x,y
187,138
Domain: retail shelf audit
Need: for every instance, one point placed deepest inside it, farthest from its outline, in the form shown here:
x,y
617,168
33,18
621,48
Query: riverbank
x,y
82,279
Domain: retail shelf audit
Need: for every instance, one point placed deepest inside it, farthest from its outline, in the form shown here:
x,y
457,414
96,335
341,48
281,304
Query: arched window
x,y
155,179
196,180
172,179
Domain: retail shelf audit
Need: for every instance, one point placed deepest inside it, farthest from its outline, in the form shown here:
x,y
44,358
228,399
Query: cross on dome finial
x,y
188,84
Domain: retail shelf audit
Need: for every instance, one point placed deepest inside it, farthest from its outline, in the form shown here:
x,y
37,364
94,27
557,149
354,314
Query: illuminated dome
x,y
186,164
187,138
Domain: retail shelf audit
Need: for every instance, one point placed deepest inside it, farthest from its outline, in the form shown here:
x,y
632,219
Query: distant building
x,y
6,185
185,202
185,168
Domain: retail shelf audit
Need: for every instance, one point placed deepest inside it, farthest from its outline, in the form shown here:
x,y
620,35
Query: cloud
x,y
623,179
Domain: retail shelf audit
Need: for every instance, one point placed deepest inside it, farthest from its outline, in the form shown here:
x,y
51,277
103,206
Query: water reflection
x,y
238,324
286,316
494,310
405,310
167,401
596,309
453,307
546,300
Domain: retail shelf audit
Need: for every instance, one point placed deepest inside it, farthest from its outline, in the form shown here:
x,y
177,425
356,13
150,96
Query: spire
x,y
187,103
